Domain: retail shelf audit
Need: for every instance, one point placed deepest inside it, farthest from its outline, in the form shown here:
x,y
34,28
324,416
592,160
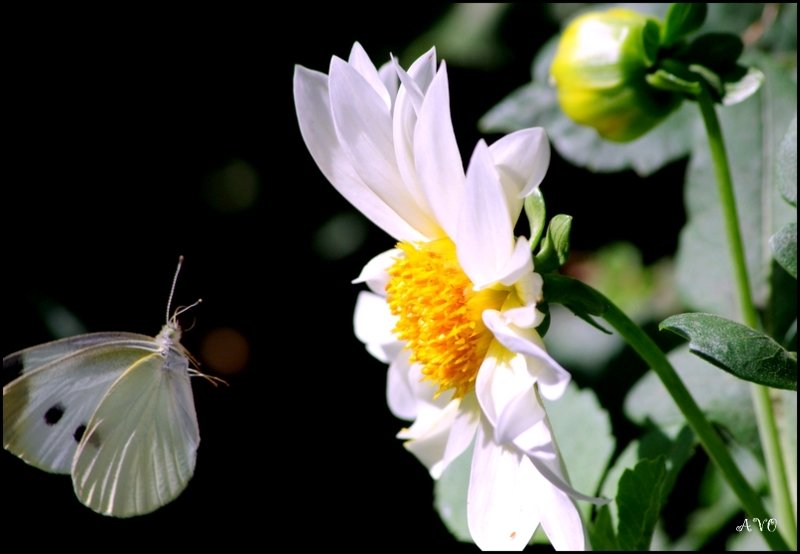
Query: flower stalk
x,y
649,351
765,414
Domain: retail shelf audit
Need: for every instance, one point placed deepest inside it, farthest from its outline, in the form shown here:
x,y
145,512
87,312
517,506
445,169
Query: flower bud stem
x,y
765,415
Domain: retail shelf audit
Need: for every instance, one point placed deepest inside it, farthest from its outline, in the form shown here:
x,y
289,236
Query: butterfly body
x,y
114,410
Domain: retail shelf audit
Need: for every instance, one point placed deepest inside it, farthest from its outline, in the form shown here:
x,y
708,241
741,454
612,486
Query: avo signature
x,y
770,524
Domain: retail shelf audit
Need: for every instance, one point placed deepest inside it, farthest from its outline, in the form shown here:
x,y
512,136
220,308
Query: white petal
x,y
529,288
413,93
501,502
501,378
518,264
314,116
559,515
560,518
375,273
400,389
423,70
463,430
558,482
407,105
373,324
552,378
430,437
485,238
522,159
364,127
431,406
519,415
439,166
520,309
361,63
389,78
524,317
538,444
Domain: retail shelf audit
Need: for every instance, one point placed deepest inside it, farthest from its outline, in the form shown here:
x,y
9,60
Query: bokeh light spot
x,y
225,350
340,236
232,188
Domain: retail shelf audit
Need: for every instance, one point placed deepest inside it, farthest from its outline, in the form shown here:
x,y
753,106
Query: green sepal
x,y
554,250
667,81
537,214
682,19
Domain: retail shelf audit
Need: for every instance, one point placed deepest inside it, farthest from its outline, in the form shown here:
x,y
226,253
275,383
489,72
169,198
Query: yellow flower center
x,y
439,313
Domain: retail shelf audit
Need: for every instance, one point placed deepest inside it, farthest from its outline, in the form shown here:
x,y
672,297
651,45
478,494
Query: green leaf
x,y
784,248
787,164
676,442
780,321
537,215
601,534
650,39
753,131
535,105
716,51
725,399
741,351
639,501
450,496
583,432
555,246
682,19
678,450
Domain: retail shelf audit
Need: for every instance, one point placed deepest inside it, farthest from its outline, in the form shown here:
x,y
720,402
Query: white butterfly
x,y
113,409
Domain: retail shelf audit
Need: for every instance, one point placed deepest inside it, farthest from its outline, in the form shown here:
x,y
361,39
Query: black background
x,y
114,121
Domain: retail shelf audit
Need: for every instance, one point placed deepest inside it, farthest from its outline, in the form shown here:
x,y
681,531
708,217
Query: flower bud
x,y
599,70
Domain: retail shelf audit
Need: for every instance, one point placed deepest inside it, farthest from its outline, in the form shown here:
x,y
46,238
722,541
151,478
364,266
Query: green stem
x,y
566,290
730,214
765,415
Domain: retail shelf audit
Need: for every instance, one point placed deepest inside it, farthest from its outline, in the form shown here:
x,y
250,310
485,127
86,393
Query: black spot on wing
x,y
12,368
94,438
78,435
54,414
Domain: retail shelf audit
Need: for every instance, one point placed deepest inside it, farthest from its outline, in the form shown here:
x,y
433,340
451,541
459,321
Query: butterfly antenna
x,y
183,309
172,290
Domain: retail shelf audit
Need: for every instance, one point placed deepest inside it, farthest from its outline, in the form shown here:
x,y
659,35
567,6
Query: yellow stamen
x,y
439,313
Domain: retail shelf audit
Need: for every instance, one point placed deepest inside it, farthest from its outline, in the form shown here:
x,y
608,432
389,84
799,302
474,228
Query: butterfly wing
x,y
140,446
30,359
46,409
